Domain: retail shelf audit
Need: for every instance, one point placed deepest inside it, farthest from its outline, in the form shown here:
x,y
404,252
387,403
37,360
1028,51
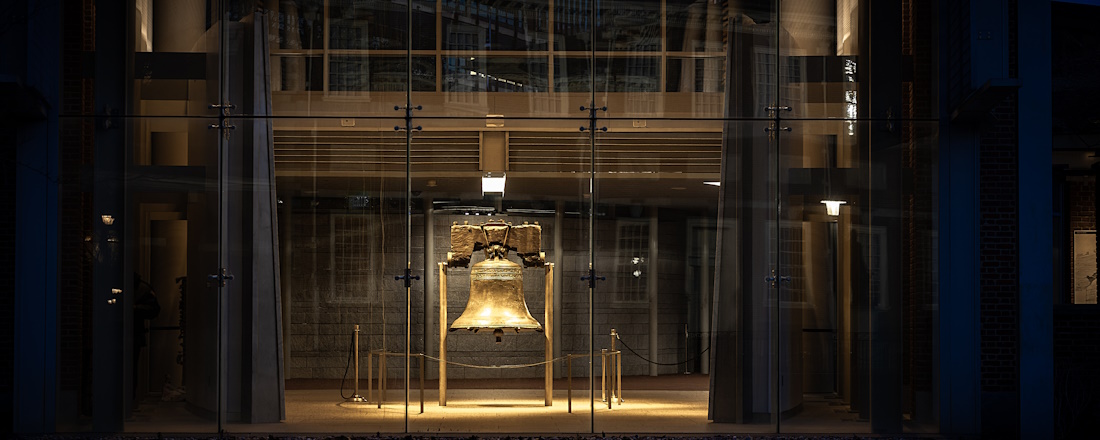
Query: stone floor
x,y
673,406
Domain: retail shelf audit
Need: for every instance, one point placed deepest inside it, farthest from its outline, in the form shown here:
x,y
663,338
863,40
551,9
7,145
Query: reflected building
x,y
284,172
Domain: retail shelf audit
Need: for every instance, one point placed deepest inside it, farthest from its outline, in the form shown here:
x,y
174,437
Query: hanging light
x,y
493,183
832,207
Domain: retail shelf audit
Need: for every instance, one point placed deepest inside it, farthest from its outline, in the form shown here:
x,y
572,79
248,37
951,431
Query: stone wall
x,y
343,265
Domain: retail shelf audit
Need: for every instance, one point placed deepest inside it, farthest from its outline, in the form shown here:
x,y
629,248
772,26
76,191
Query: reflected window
x,y
379,25
300,24
494,74
612,74
488,25
380,74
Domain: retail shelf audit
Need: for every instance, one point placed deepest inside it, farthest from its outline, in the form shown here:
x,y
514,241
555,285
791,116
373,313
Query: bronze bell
x,y
496,285
496,298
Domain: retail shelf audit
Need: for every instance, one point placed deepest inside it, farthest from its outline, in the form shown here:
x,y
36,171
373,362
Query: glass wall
x,y
530,217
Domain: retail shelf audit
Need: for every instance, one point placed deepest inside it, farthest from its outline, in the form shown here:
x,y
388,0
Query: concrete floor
x,y
505,411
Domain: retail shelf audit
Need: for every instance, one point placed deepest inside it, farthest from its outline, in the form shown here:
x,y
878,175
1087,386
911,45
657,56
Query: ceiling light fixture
x,y
832,207
493,183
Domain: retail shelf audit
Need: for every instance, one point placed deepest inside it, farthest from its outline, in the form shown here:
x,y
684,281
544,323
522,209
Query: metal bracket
x,y
408,118
223,115
221,277
592,118
408,277
771,279
592,278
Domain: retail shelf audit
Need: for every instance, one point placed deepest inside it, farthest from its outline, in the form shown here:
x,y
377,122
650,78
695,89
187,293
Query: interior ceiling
x,y
668,168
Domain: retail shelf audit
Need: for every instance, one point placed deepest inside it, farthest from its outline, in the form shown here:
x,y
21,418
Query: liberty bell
x,y
496,284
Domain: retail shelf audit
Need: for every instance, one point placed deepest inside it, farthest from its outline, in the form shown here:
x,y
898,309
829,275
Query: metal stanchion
x,y
381,378
355,397
603,378
619,375
569,383
421,383
616,369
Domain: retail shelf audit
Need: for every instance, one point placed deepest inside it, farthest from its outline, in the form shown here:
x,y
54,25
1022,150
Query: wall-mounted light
x,y
493,183
832,207
713,183
108,219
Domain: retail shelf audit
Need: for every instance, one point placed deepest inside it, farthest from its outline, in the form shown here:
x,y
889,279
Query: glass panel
x,y
380,25
168,223
545,169
824,73
490,47
341,224
495,74
299,24
379,74
656,226
359,68
172,222
857,306
613,74
489,25
820,58
743,306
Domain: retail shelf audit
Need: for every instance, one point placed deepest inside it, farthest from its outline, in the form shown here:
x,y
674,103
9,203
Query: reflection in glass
x,y
380,25
299,24
612,74
379,74
490,25
684,81
495,74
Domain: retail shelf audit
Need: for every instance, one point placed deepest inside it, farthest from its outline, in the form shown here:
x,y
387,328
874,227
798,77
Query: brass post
x,y
381,377
443,334
617,369
603,376
355,397
421,382
569,381
619,375
548,330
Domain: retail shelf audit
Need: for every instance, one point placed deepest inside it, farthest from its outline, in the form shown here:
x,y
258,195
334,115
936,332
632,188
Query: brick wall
x,y
919,265
7,281
1080,212
999,233
1081,205
998,252
76,140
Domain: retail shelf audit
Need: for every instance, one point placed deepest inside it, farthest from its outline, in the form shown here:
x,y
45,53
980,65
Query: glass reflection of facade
x,y
287,176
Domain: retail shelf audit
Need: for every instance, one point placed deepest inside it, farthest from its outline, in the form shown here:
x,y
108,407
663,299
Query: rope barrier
x,y
485,367
661,363
494,367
